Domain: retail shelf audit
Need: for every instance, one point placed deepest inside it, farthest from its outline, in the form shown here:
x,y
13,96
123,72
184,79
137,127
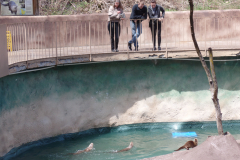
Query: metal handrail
x,y
31,41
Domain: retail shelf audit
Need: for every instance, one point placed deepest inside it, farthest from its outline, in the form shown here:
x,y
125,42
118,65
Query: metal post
x,y
52,39
59,33
166,41
71,36
81,38
35,44
78,37
144,42
179,33
153,36
94,36
67,36
136,23
42,38
37,37
74,31
56,42
102,36
45,40
90,40
86,35
205,36
218,31
110,28
122,33
183,31
114,35
20,41
231,34
98,37
17,37
107,31
127,42
140,32
8,41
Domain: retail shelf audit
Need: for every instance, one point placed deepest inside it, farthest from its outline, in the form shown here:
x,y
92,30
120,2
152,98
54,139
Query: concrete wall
x,y
69,99
3,52
209,25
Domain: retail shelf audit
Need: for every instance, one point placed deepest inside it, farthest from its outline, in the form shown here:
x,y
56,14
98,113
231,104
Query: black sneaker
x,y
130,46
116,50
154,49
113,50
159,48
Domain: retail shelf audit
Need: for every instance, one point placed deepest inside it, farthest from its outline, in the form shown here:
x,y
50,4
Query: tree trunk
x,y
215,93
211,78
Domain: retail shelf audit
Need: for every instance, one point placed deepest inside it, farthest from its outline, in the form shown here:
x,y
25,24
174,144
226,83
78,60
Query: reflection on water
x,y
149,140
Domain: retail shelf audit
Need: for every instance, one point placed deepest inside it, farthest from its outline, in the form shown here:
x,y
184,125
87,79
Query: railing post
x,y
26,35
166,41
74,32
127,42
152,34
136,35
90,41
78,41
205,36
56,42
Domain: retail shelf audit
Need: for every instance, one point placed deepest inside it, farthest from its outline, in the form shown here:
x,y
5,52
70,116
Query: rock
x,y
214,148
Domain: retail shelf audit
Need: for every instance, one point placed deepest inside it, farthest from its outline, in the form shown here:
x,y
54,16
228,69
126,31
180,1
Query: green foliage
x,y
70,7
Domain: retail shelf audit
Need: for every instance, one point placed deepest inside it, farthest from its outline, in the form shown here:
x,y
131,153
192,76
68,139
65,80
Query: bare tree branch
x,y
211,78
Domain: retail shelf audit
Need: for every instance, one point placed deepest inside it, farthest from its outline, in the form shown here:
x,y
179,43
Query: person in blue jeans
x,y
139,13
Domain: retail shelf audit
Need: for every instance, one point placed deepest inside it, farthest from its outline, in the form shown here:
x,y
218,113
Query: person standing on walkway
x,y
155,22
139,13
115,14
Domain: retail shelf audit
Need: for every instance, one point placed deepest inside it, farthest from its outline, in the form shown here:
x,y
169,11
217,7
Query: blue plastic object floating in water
x,y
184,134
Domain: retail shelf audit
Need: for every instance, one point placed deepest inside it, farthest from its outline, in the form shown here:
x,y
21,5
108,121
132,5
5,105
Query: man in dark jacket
x,y
139,13
155,21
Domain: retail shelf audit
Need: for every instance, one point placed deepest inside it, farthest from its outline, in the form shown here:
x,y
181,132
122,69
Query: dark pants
x,y
154,26
115,30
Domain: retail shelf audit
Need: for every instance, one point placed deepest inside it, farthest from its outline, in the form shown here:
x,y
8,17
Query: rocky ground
x,y
72,7
214,148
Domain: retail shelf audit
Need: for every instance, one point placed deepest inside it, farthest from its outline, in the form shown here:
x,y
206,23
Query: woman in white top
x,y
115,14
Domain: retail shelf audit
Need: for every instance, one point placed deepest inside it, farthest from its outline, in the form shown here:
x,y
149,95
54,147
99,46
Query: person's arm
x,y
163,11
150,13
122,15
134,15
144,16
111,13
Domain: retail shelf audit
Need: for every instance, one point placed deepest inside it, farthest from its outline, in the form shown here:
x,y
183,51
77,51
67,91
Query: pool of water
x,y
151,139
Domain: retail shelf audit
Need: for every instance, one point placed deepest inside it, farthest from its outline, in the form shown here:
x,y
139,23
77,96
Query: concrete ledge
x,y
120,56
74,59
46,62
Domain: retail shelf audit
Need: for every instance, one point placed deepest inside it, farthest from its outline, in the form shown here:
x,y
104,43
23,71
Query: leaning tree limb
x,y
211,78
215,94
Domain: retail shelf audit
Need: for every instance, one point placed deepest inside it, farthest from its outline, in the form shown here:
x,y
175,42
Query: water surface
x,y
149,140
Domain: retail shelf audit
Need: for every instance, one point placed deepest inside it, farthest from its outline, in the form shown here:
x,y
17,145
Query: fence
x,y
67,38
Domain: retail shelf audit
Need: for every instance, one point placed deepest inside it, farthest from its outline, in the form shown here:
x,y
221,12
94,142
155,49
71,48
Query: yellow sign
x,y
9,41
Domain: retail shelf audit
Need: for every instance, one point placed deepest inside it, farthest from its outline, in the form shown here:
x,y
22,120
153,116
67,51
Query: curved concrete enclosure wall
x,y
69,99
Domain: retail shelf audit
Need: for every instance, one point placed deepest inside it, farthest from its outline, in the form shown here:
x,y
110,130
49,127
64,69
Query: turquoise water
x,y
149,140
